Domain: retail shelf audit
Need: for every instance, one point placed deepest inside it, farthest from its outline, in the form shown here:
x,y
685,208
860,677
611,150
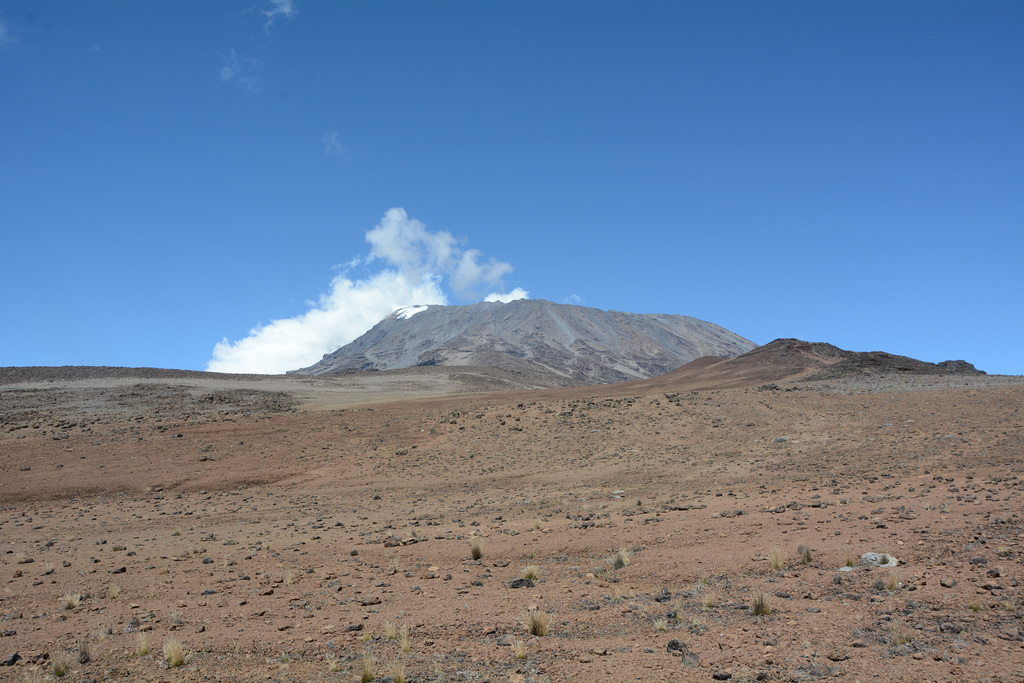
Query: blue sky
x,y
241,185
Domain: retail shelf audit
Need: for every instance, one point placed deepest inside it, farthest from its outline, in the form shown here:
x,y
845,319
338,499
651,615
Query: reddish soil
x,y
278,526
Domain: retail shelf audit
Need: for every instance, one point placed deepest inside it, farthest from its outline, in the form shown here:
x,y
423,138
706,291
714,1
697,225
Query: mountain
x,y
573,345
797,360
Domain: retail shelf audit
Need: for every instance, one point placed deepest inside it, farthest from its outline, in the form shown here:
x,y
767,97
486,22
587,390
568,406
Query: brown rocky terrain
x,y
282,528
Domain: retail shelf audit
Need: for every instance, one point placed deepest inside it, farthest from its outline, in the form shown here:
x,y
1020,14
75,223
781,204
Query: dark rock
x,y
521,583
10,660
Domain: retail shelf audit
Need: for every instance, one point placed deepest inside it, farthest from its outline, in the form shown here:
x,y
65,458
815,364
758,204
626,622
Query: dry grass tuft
x,y
537,622
851,559
403,638
290,577
174,653
397,671
531,572
84,656
476,551
519,648
621,558
892,581
369,669
661,624
70,600
776,560
804,551
176,619
390,630
707,602
113,591
61,664
762,604
900,633
975,605
333,664
141,645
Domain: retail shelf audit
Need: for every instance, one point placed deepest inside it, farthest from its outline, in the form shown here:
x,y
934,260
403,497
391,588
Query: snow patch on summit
x,y
406,312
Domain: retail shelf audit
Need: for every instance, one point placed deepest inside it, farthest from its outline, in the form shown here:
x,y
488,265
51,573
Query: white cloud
x,y
417,262
278,9
332,143
514,295
240,70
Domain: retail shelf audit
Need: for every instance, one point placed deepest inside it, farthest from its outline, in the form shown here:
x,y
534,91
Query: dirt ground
x,y
292,529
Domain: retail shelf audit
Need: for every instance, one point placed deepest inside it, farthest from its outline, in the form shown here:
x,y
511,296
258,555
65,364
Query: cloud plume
x,y
417,265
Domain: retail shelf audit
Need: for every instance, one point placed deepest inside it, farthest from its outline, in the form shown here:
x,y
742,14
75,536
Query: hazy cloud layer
x,y
417,263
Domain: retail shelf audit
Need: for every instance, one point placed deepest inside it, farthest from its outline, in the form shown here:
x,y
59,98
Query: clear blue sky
x,y
177,176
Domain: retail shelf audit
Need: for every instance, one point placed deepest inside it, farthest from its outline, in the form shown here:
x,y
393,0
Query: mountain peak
x,y
574,345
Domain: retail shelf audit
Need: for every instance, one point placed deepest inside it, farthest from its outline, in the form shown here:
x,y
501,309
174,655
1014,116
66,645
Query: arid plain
x,y
321,529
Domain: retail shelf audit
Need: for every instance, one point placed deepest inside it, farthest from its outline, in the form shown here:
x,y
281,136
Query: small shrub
x,y
537,622
621,558
762,604
403,638
804,552
476,551
61,664
397,671
519,648
369,669
531,572
174,653
113,591
390,631
776,560
70,600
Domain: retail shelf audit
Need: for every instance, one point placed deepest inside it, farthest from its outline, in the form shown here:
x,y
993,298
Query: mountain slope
x,y
574,344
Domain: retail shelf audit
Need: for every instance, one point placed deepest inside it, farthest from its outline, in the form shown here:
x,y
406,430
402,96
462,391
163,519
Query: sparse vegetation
x,y
176,619
70,600
174,653
851,559
975,604
661,624
776,560
113,591
762,604
403,638
390,630
899,632
290,577
476,551
621,558
884,559
397,671
537,622
20,558
531,572
519,648
707,601
804,552
333,664
892,581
